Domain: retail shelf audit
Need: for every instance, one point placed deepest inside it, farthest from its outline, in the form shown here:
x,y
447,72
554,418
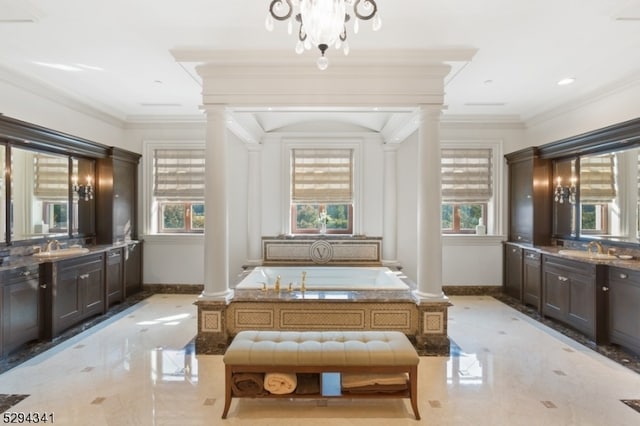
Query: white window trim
x,y
495,213
329,142
149,212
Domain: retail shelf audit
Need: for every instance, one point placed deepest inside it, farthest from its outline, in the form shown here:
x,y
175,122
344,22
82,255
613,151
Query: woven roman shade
x,y
597,179
178,173
51,176
466,174
322,176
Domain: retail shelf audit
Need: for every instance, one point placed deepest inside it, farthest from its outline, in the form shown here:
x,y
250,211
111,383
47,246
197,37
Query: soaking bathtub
x,y
324,278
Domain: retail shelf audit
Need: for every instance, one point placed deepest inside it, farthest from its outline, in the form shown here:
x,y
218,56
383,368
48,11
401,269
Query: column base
x,y
212,338
432,337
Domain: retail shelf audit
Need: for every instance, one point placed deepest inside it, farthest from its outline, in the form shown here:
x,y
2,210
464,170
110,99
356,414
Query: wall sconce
x,y
85,192
565,193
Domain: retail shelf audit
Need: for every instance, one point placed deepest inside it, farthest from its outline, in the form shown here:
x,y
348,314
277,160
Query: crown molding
x,y
60,97
592,97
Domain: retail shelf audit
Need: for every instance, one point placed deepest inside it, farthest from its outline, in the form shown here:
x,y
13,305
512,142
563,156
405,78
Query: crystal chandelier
x,y
322,23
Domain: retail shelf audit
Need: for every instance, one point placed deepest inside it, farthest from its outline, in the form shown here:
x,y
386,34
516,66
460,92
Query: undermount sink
x,y
587,254
71,251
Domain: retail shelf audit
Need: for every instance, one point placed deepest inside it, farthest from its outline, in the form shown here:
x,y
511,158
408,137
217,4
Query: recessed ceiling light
x,y
566,81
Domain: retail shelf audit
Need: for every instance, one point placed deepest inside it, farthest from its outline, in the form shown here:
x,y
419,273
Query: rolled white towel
x,y
280,383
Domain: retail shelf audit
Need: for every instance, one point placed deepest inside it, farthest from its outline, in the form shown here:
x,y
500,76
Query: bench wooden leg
x,y
413,384
227,391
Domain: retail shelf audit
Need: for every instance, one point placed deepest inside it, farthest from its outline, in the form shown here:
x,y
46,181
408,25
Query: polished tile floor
x,y
138,368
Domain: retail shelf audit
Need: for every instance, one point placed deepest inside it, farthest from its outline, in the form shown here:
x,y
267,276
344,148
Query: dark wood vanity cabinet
x,y
513,270
74,291
532,279
116,196
529,197
19,308
624,308
114,276
574,293
133,268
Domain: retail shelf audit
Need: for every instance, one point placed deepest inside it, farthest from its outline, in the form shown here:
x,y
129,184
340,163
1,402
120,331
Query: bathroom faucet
x,y
53,243
276,286
597,245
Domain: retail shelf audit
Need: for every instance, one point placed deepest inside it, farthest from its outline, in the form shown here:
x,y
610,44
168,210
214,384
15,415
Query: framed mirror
x,y
3,191
39,195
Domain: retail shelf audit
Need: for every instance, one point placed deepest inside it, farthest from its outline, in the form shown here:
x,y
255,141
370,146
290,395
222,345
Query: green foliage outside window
x,y
197,216
308,216
470,215
173,216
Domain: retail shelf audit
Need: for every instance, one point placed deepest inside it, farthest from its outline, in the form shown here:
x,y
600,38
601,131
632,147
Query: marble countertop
x,y
633,264
26,261
324,296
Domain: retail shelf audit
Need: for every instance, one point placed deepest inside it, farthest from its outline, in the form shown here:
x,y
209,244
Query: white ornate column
x,y
254,205
216,238
390,206
429,273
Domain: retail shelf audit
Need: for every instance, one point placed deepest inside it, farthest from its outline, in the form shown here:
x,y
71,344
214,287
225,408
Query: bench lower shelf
x,y
330,383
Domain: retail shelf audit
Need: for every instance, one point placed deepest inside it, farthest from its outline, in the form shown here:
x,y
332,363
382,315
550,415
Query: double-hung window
x,y
178,190
467,188
322,191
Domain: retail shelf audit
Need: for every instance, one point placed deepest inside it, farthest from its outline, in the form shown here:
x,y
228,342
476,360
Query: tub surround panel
x,y
322,250
322,315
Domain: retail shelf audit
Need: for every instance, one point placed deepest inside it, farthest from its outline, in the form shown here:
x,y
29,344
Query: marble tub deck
x,y
137,366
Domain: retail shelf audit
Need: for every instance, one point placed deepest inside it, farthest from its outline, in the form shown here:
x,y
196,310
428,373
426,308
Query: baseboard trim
x,y
472,290
174,288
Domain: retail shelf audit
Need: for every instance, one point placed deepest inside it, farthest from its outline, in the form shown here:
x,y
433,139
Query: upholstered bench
x,y
321,352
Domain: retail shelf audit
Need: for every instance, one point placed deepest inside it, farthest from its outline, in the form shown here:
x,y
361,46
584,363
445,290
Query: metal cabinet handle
x,y
519,237
563,279
84,276
605,288
624,276
513,250
25,273
43,286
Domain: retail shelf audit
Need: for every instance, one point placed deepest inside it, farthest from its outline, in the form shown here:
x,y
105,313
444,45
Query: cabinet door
x,y
114,281
124,199
513,271
92,282
133,269
624,308
531,279
581,312
521,201
556,293
20,310
67,300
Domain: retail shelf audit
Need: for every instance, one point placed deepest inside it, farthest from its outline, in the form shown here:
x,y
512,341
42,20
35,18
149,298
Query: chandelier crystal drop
x,y
322,23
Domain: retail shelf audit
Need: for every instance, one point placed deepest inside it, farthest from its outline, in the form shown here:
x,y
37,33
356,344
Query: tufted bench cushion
x,y
328,348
